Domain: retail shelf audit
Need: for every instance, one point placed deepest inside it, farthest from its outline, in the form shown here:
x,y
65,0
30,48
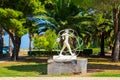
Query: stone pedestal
x,y
63,58
67,67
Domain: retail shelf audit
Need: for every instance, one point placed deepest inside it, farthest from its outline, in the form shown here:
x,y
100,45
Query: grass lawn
x,y
13,69
97,67
103,67
107,73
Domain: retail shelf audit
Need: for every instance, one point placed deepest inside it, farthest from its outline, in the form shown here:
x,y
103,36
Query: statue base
x,y
67,67
64,58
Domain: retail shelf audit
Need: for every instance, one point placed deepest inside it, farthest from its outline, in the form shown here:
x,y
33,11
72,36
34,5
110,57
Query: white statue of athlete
x,y
66,36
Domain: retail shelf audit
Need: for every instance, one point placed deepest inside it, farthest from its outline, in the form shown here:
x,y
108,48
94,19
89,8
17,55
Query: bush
x,y
46,41
50,36
96,50
87,52
40,42
45,53
42,53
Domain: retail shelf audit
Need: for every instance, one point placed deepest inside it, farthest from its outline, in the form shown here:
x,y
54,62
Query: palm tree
x,y
65,14
37,25
103,28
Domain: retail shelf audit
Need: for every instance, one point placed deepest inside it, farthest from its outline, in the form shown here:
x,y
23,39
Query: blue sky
x,y
25,38
24,41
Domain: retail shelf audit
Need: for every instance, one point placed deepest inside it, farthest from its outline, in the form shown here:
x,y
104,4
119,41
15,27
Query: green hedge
x,y
47,53
87,52
42,53
4,55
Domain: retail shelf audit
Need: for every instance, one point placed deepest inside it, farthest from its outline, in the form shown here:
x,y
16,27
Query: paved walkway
x,y
59,78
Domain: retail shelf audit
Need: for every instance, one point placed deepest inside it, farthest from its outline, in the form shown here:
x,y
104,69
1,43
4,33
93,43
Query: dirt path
x,y
59,78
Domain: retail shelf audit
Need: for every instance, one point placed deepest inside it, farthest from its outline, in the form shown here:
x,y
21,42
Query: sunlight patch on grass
x,y
107,73
22,69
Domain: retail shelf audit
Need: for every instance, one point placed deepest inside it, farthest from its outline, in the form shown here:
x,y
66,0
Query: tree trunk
x,y
115,57
115,19
10,45
1,40
16,43
30,43
102,54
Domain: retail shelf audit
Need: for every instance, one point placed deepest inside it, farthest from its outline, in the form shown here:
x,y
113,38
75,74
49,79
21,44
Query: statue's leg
x,y
68,46
64,46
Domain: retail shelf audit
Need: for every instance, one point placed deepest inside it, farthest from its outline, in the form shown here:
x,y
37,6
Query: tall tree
x,y
10,20
105,6
65,14
103,27
37,25
12,16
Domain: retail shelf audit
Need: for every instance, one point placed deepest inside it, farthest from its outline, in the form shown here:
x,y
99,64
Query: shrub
x,y
87,52
46,41
42,53
50,36
40,42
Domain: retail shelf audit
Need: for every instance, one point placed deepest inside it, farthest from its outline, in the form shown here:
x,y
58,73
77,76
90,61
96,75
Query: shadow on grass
x,y
101,64
99,59
33,59
102,67
40,68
